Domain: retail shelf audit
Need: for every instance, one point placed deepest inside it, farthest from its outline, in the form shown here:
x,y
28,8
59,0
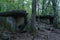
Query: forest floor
x,y
47,35
41,35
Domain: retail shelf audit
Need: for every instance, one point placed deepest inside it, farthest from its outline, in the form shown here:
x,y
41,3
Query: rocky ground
x,y
41,35
47,33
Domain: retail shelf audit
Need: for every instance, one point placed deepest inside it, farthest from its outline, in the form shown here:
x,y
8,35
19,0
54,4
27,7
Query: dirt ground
x,y
41,35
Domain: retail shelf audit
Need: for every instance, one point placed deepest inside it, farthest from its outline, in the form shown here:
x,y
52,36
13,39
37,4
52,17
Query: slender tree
x,y
43,7
33,13
54,2
38,6
33,21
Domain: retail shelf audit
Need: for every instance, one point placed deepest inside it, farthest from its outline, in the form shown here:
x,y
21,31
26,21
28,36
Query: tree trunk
x,y
33,20
43,8
54,2
38,11
33,14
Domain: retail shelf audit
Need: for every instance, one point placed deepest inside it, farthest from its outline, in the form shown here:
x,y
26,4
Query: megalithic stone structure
x,y
19,18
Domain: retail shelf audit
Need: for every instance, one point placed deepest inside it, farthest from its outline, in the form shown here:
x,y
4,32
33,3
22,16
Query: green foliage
x,y
26,5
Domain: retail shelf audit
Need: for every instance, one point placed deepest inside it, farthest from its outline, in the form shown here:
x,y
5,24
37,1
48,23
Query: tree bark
x,y
33,21
54,2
